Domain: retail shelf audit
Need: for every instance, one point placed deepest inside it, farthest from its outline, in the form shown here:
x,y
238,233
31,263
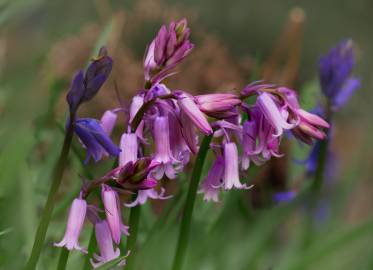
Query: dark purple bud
x,y
76,92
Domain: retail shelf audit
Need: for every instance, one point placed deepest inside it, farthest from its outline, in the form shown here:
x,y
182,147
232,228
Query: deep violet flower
x,y
105,245
113,213
95,139
85,86
284,196
335,69
211,185
74,226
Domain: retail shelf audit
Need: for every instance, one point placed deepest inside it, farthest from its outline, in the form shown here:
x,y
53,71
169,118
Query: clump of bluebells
x,y
163,133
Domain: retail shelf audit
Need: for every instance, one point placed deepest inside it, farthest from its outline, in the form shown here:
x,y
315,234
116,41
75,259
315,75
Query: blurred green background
x,y
42,43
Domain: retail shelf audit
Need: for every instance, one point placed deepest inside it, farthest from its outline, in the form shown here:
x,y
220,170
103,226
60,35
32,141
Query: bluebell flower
x,y
284,196
85,86
335,68
95,139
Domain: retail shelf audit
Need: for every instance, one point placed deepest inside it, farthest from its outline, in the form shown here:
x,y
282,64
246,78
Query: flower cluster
x,y
163,133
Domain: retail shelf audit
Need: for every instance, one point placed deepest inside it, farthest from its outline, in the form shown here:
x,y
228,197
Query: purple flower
x,y
129,148
284,196
179,147
95,139
190,108
105,245
310,127
218,105
231,176
85,86
214,180
113,214
75,223
108,120
169,47
163,155
144,195
275,115
335,69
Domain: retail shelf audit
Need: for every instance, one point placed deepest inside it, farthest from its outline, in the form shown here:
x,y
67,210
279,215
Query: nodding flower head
x,y
231,176
86,85
75,223
112,211
335,70
190,108
169,47
309,127
163,154
276,116
95,139
108,121
129,148
218,105
213,181
105,245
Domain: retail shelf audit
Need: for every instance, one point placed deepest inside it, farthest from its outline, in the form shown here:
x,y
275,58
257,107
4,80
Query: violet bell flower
x,y
335,71
95,139
213,181
190,108
108,121
163,155
105,245
276,116
231,176
129,148
74,226
111,203
218,105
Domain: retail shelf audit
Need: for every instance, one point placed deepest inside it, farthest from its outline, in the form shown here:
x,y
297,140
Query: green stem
x,y
64,255
183,239
320,169
48,208
91,248
132,239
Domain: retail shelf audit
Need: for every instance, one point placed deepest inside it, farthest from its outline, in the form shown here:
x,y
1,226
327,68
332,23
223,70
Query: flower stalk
x,y
182,243
49,205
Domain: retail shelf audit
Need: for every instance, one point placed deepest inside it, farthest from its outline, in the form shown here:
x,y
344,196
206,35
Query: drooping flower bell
x,y
231,176
211,185
113,213
190,108
95,139
108,121
218,105
86,85
105,245
74,226
129,148
163,155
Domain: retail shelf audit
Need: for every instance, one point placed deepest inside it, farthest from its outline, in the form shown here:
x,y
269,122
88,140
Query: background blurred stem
x,y
64,255
49,205
182,243
132,238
